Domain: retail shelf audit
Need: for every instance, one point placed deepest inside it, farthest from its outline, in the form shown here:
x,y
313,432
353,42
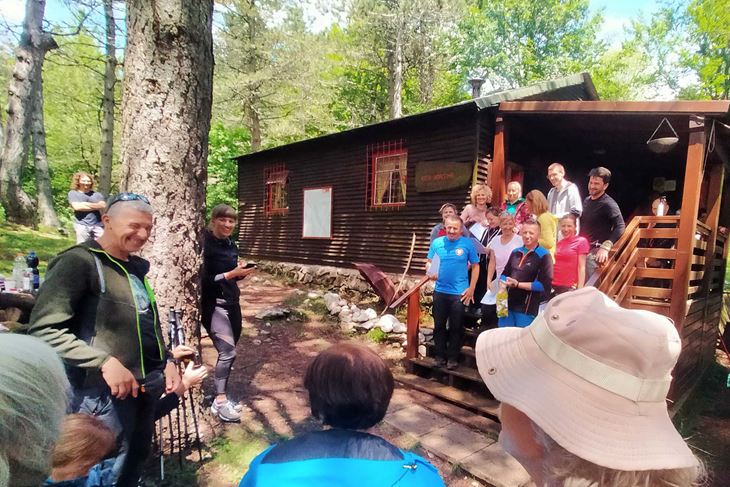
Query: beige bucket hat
x,y
594,376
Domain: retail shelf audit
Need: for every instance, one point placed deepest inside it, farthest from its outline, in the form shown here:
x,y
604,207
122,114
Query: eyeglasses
x,y
126,197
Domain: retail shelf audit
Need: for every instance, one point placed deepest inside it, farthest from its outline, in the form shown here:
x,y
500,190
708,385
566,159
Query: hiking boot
x,y
226,412
452,364
440,362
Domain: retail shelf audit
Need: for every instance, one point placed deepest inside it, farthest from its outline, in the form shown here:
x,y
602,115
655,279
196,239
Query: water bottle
x,y
19,267
2,283
27,279
661,208
32,261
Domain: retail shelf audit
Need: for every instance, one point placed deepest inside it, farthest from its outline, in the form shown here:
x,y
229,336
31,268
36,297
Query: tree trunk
x,y
46,212
254,124
395,73
107,103
166,110
33,45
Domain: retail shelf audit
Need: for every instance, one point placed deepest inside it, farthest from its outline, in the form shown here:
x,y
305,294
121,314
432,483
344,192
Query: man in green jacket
x,y
97,310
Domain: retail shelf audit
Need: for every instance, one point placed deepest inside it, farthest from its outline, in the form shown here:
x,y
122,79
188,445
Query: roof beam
x,y
719,108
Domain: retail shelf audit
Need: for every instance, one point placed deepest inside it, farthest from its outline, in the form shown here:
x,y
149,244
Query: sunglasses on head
x,y
127,197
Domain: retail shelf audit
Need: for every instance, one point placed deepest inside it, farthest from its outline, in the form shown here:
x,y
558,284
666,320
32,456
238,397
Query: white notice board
x,y
317,221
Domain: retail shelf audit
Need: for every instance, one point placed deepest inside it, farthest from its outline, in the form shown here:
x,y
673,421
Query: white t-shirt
x,y
501,255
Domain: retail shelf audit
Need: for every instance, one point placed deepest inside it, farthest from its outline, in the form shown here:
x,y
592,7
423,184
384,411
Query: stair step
x,y
477,403
461,372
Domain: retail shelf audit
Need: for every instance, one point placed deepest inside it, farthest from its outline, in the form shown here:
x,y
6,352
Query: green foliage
x,y
709,29
223,145
512,43
15,238
377,335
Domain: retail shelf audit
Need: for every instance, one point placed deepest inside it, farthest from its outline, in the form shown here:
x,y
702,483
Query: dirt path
x,y
267,379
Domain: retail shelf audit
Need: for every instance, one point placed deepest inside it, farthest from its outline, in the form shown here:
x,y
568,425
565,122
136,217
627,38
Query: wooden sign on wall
x,y
441,176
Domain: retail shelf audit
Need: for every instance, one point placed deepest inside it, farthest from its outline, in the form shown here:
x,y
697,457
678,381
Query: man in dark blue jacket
x,y
528,275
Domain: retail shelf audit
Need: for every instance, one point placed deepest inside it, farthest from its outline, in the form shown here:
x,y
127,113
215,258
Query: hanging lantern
x,y
660,145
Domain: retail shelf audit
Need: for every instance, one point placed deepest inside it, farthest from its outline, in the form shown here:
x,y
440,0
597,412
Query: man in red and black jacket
x,y
528,276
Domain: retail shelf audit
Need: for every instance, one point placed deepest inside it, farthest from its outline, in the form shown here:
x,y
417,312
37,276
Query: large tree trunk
x,y
107,103
33,45
46,213
166,110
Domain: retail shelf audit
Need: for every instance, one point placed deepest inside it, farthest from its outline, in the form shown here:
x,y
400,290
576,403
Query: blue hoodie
x,y
100,475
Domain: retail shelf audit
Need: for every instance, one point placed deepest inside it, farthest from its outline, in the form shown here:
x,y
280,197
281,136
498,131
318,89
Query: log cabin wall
x,y
360,233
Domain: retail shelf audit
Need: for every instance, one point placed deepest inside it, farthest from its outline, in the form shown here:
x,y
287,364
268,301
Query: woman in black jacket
x,y
221,309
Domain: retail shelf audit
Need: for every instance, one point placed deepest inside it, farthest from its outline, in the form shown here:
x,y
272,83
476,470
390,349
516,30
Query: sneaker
x,y
237,406
226,412
452,364
440,362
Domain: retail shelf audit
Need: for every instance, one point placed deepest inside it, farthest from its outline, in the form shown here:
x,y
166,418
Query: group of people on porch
x,y
530,248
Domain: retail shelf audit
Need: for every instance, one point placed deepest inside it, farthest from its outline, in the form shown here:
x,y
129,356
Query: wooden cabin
x,y
432,158
359,195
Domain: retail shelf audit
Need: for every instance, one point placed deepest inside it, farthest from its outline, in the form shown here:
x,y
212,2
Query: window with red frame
x,y
388,176
277,190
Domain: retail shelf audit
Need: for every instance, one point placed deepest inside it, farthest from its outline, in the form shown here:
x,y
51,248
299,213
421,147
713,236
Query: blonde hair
x,y
33,398
564,469
84,441
75,184
476,189
538,202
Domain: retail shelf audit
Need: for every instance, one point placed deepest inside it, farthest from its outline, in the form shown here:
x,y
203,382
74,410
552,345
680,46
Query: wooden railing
x,y
640,269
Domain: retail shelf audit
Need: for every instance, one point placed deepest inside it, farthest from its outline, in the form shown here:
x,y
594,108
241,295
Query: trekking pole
x,y
162,453
181,337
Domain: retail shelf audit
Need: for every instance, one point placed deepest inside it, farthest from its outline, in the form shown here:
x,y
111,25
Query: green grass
x,y
233,451
377,335
16,238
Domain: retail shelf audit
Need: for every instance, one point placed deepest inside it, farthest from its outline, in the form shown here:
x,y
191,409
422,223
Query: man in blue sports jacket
x,y
528,276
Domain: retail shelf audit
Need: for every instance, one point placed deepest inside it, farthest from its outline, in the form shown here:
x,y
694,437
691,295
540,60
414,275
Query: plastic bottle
x,y
661,208
19,267
32,261
2,283
27,279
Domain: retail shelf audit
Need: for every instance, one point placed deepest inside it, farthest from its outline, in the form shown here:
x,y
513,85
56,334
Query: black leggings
x,y
225,319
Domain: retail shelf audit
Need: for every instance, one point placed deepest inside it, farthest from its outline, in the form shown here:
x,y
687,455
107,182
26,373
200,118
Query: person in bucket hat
x,y
583,392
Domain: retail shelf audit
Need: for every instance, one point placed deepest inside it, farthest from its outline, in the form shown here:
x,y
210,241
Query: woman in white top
x,y
499,252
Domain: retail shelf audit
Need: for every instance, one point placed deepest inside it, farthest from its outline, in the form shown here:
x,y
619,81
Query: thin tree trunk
x,y
254,124
107,104
166,110
33,45
395,73
46,212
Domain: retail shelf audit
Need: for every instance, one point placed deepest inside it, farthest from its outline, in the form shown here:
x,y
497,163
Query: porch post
x,y
688,220
499,157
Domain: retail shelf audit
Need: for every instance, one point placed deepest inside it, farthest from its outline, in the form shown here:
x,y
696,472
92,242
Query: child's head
x,y
84,442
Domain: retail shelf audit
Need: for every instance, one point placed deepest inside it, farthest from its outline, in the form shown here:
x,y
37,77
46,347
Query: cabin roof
x,y
715,108
573,87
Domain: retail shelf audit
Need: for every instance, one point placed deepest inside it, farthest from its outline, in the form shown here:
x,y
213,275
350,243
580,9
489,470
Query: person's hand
x,y
119,379
433,277
467,297
183,352
193,375
172,377
601,256
510,282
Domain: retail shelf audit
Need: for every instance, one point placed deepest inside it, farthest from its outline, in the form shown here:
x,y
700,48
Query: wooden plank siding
x,y
359,233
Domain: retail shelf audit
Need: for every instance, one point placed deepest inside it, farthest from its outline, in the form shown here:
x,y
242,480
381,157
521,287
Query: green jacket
x,y
87,312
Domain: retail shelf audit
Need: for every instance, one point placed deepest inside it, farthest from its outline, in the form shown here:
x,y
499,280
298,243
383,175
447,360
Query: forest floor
x,y
267,379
